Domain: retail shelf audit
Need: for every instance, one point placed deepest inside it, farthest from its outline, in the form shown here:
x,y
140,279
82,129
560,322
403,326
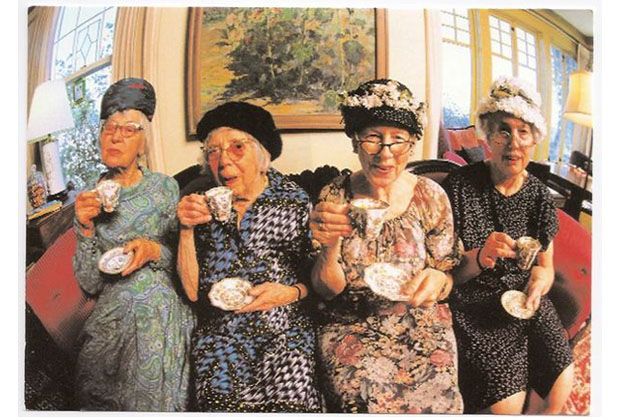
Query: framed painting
x,y
293,62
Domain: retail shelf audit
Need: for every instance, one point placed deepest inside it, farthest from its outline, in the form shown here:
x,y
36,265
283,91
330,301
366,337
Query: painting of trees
x,y
289,60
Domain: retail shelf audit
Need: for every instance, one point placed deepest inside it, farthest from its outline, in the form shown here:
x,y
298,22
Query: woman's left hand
x,y
540,281
269,295
425,288
144,250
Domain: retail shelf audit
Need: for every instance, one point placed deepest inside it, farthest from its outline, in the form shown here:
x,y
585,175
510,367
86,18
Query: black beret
x,y
130,93
246,117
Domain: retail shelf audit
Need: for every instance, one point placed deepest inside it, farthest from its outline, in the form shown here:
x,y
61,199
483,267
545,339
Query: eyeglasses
x,y
127,129
235,150
525,138
375,147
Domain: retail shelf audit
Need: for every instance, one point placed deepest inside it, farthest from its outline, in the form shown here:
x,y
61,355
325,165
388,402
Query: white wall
x,y
300,150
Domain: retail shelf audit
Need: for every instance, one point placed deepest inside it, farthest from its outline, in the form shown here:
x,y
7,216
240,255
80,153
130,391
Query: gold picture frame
x,y
218,59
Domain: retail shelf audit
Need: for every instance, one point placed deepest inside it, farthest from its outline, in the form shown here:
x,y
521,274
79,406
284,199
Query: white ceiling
x,y
581,19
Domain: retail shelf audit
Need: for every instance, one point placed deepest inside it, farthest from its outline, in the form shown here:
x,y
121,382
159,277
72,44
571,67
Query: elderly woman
x,y
260,357
134,347
495,203
378,355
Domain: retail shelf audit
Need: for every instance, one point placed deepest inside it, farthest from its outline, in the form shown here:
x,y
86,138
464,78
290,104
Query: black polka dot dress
x,y
500,355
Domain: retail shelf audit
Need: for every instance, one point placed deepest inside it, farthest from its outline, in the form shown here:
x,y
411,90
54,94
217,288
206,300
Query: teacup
x,y
369,215
220,202
526,250
108,193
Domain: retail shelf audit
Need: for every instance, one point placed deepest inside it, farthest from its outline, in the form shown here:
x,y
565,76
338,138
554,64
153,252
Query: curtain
x,y
135,55
41,22
433,80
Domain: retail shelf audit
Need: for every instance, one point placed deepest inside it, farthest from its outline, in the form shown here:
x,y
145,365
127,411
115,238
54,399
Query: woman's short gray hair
x,y
488,124
262,155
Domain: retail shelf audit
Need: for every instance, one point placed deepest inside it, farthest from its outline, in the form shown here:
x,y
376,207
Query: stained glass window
x,y
82,51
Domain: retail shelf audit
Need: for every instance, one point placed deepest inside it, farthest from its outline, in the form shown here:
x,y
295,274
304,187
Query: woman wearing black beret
x,y
261,356
134,347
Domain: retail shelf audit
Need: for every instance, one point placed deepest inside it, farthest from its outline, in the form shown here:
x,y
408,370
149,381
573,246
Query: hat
x,y
130,93
382,101
246,117
516,97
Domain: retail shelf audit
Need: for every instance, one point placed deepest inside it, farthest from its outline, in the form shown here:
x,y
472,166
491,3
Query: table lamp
x,y
50,113
578,107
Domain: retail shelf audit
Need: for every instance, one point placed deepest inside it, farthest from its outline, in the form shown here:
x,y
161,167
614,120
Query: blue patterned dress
x,y
259,361
134,349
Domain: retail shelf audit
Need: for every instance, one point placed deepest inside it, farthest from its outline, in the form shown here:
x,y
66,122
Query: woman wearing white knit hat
x,y
494,203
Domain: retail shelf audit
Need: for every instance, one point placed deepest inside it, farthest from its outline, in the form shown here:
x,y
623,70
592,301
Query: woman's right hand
x,y
498,245
329,222
86,207
193,210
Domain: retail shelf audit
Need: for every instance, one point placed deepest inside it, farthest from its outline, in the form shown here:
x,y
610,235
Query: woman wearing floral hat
x,y
495,203
380,355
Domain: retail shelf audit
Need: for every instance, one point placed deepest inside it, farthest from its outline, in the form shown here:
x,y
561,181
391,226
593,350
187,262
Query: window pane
x,y
464,38
496,47
63,62
494,34
527,74
79,148
456,85
67,20
448,33
505,27
561,135
462,23
501,67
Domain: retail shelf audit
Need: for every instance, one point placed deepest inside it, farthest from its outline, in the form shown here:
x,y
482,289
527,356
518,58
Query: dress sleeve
x,y
85,262
444,250
548,220
169,238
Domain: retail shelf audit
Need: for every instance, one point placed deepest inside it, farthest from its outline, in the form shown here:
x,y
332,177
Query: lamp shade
x,y
50,110
578,108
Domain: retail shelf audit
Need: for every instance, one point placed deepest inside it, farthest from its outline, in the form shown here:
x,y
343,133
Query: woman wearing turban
x,y
134,347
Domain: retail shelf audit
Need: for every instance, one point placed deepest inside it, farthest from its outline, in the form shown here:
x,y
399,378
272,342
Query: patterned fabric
x,y
500,355
134,348
259,361
387,357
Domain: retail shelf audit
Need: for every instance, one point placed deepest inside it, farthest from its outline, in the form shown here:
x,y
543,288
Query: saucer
x,y
513,302
385,280
230,294
114,261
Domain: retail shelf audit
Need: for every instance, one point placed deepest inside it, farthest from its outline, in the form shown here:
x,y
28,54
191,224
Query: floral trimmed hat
x,y
381,102
516,97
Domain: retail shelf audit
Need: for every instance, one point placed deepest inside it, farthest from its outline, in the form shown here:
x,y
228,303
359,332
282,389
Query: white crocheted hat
x,y
515,97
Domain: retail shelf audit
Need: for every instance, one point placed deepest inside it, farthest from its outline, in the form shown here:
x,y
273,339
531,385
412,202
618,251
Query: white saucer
x,y
230,294
114,261
513,302
385,280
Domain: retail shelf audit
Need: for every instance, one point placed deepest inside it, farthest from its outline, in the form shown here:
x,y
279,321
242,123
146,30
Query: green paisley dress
x,y
135,346
380,356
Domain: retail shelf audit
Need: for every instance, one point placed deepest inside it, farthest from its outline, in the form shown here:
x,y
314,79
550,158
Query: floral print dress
x,y
382,356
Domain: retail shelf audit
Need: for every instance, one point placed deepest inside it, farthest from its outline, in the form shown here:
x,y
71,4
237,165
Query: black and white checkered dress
x,y
260,361
500,355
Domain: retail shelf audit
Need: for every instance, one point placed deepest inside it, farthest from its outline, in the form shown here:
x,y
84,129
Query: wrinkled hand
x,y
329,222
540,282
425,287
193,210
498,245
269,295
86,207
144,250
